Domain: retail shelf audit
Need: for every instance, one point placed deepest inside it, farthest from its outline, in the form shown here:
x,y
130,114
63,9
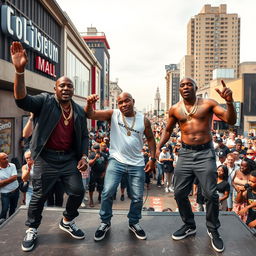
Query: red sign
x,y
45,66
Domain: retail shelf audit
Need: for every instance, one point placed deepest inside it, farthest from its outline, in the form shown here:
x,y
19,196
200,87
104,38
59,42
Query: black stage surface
x,y
120,241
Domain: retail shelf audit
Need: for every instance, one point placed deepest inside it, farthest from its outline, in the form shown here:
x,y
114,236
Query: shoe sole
x,y
102,237
182,237
76,237
213,246
139,237
24,249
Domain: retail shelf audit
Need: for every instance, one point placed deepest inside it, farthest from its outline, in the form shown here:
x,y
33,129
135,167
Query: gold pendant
x,y
189,118
66,122
129,133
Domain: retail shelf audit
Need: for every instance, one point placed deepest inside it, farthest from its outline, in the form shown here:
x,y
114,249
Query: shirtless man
x,y
197,156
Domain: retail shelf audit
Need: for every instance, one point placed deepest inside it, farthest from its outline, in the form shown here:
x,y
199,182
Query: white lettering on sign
x,y
22,29
5,126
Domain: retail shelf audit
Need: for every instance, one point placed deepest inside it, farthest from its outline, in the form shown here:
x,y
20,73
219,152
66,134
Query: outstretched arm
x,y
151,144
19,60
166,132
102,115
229,115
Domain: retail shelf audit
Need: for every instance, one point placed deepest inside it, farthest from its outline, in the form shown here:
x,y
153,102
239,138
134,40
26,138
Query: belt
x,y
197,147
59,152
11,191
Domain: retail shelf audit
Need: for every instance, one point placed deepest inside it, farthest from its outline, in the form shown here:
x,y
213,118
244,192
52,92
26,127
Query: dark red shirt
x,y
62,136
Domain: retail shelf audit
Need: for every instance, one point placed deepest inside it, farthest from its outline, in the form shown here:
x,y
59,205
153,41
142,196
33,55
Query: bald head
x,y
125,94
64,89
3,160
188,79
125,103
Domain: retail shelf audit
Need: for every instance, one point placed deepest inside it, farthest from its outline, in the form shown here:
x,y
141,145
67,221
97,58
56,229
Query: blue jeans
x,y
160,171
9,202
29,194
136,179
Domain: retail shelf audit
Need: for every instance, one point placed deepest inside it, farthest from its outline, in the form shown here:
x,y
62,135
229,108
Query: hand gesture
x,y
150,166
82,165
226,93
19,56
92,99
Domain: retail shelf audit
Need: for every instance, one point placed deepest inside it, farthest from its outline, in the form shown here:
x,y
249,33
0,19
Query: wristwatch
x,y
85,158
152,159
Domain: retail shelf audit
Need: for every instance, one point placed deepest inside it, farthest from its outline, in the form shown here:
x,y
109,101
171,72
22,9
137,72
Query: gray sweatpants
x,y
202,164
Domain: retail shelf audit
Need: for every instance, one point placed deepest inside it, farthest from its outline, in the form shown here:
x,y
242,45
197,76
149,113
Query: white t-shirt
x,y
127,149
6,173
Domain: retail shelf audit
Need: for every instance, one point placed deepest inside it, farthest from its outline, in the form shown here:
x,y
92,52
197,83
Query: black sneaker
x,y
183,232
216,241
72,229
122,198
29,240
138,231
101,231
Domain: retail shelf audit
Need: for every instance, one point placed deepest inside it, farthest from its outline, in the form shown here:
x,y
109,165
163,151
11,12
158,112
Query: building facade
x,y
213,41
244,100
172,85
114,91
54,48
98,43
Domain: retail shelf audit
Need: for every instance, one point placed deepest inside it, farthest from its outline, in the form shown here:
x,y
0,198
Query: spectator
x,y
247,195
240,179
231,141
9,187
223,187
222,156
232,168
221,147
27,175
239,149
98,164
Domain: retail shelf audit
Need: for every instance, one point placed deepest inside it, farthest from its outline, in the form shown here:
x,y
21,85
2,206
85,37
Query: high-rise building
x,y
172,84
213,41
98,43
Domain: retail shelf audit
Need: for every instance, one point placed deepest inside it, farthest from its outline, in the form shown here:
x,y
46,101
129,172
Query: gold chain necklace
x,y
192,111
67,119
128,129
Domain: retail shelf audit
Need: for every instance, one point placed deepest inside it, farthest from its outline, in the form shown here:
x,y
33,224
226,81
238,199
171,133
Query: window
x,y
79,74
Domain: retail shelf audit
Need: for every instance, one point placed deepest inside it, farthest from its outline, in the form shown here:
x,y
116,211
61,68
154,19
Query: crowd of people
x,y
183,154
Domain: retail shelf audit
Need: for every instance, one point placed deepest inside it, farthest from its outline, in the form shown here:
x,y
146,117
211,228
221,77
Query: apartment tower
x,y
213,41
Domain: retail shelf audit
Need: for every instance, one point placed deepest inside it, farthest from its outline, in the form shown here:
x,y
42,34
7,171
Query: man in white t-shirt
x,y
126,142
8,187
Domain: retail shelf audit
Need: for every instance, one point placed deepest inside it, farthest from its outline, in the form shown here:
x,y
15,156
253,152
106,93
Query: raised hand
x,y
226,93
19,56
92,99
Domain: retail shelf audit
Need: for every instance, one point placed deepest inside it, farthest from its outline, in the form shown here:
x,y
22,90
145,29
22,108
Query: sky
x,y
146,35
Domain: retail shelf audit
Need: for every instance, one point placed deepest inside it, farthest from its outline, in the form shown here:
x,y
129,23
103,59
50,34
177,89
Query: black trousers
x,y
202,164
56,195
48,168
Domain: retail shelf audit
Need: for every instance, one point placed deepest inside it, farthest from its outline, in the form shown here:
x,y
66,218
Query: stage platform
x,y
239,240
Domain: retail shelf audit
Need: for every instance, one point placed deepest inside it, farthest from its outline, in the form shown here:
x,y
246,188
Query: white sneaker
x,y
171,189
166,190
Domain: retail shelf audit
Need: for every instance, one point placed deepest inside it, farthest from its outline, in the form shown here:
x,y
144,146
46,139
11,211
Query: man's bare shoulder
x,y
210,102
175,106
